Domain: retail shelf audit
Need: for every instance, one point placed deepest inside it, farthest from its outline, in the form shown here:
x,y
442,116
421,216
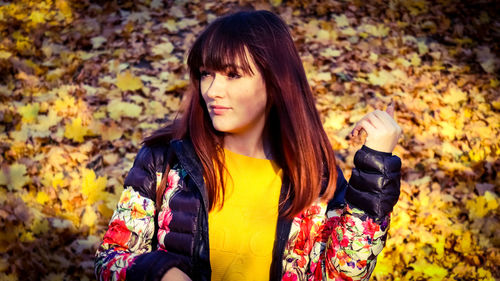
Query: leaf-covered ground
x,y
83,82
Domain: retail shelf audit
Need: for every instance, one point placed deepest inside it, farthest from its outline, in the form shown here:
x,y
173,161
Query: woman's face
x,y
235,101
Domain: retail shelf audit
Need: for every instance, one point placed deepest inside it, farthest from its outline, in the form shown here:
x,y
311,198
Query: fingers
x,y
390,109
367,126
377,119
368,123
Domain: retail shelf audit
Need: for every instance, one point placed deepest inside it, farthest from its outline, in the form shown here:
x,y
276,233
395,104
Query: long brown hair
x,y
293,126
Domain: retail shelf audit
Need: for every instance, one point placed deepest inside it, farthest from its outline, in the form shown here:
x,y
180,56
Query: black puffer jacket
x,y
138,248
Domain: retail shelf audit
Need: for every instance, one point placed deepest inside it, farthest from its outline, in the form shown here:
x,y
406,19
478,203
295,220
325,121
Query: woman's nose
x,y
216,86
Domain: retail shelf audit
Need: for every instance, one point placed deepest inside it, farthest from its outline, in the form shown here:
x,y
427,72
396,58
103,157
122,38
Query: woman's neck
x,y
252,146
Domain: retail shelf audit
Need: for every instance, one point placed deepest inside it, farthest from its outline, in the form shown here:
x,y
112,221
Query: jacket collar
x,y
184,151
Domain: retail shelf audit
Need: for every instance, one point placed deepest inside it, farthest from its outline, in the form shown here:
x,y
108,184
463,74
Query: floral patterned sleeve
x,y
129,235
342,243
132,226
353,244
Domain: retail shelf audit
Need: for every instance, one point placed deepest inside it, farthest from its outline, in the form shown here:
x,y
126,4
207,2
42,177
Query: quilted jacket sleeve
x,y
126,250
374,186
344,243
357,232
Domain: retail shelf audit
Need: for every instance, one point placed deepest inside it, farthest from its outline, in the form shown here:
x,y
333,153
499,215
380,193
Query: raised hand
x,y
382,130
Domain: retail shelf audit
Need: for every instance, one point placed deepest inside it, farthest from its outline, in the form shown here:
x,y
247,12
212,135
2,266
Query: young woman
x,y
245,186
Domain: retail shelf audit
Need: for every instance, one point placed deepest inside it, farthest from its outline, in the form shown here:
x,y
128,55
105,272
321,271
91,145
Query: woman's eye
x,y
204,73
233,75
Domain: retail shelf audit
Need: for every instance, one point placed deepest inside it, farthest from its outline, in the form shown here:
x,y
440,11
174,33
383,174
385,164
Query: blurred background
x,y
83,82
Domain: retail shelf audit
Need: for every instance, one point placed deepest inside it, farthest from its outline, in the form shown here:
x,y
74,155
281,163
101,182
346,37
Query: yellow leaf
x,y
448,130
431,270
78,156
477,154
415,60
20,136
454,96
491,200
335,120
275,3
58,180
45,122
439,246
55,74
37,17
493,82
384,77
89,217
26,236
373,57
65,9
42,197
163,49
378,31
485,274
110,158
98,41
64,104
330,52
464,242
481,205
446,113
56,157
76,131
323,76
171,25
117,109
341,21
422,48
5,54
111,132
105,211
29,112
384,266
496,105
40,225
128,82
14,177
348,31
92,187
324,35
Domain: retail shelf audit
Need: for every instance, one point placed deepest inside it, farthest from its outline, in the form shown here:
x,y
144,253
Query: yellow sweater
x,y
242,233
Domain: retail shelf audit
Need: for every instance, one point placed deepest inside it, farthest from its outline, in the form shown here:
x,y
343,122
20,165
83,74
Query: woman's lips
x,y
219,110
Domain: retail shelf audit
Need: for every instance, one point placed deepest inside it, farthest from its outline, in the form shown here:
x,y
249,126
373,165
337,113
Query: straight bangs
x,y
222,47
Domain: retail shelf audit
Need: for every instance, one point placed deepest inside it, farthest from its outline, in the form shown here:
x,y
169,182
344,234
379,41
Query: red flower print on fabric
x,y
164,219
369,228
118,233
289,277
